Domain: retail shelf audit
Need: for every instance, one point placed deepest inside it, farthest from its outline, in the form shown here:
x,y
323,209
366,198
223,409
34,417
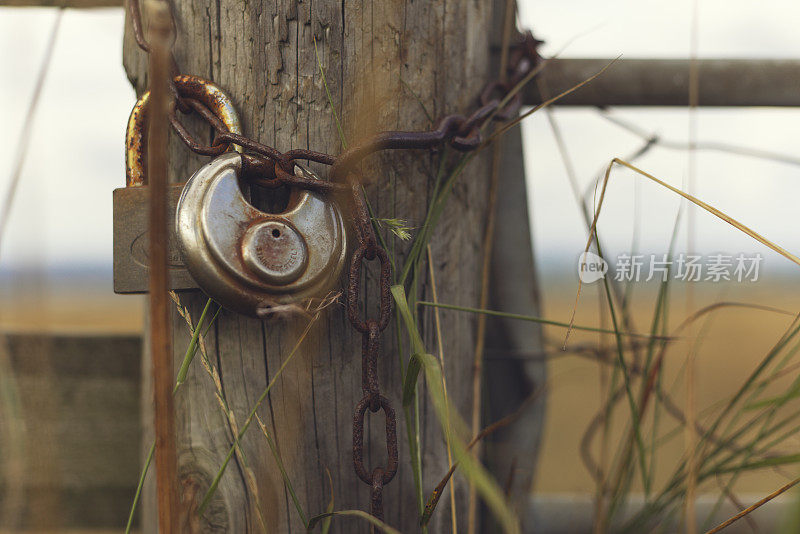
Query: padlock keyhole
x,y
273,201
276,233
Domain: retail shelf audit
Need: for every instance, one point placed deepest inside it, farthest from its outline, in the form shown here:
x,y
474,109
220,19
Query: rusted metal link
x,y
376,504
369,364
191,141
448,128
225,136
524,57
276,176
266,166
511,108
135,14
353,289
358,441
370,345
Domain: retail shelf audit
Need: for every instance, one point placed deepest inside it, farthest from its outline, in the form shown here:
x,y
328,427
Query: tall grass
x,y
730,440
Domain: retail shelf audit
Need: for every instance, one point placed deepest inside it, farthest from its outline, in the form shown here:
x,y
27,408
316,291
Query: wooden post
x,y
383,62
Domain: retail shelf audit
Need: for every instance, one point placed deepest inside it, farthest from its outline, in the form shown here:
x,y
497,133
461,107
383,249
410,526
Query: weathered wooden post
x,y
383,62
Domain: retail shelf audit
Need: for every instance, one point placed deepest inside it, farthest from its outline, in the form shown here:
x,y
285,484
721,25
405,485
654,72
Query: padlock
x,y
130,202
248,260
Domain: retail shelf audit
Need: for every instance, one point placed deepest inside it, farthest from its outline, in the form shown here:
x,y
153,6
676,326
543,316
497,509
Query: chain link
x,y
391,440
267,166
370,344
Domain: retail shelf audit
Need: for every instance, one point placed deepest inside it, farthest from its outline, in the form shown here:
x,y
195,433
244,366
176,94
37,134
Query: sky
x,y
61,216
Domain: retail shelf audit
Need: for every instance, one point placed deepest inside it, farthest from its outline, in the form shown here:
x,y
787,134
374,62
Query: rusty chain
x,y
268,167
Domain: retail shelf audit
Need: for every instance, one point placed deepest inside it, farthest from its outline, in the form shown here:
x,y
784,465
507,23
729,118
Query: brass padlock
x,y
248,260
130,202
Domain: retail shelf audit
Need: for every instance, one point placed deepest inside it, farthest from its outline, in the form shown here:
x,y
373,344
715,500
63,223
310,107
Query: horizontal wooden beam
x,y
81,4
76,414
665,82
628,82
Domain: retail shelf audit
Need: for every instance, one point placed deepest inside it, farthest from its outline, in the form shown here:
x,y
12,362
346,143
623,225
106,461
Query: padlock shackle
x,y
188,87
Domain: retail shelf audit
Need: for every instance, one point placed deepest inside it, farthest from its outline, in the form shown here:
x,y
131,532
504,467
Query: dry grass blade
x,y
440,346
547,103
729,304
714,211
215,483
279,461
753,507
698,145
694,200
728,493
198,343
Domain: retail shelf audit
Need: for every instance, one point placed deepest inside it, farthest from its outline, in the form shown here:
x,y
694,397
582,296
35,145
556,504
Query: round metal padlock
x,y
248,260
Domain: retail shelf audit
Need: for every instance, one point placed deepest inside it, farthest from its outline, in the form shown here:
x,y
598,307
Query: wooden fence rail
x,y
70,431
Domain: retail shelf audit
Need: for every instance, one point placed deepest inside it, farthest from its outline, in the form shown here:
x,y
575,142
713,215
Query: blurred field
x,y
67,304
96,314
734,342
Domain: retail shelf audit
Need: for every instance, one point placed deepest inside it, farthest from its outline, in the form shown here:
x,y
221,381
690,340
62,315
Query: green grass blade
x,y
181,378
452,426
634,409
410,380
192,348
142,478
534,319
472,469
410,389
399,294
326,523
760,464
421,240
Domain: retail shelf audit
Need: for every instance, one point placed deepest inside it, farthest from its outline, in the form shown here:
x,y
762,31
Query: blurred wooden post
x,y
511,378
160,333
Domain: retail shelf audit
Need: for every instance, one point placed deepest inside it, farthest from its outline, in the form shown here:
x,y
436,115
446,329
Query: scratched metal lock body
x,y
131,242
131,273
248,260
